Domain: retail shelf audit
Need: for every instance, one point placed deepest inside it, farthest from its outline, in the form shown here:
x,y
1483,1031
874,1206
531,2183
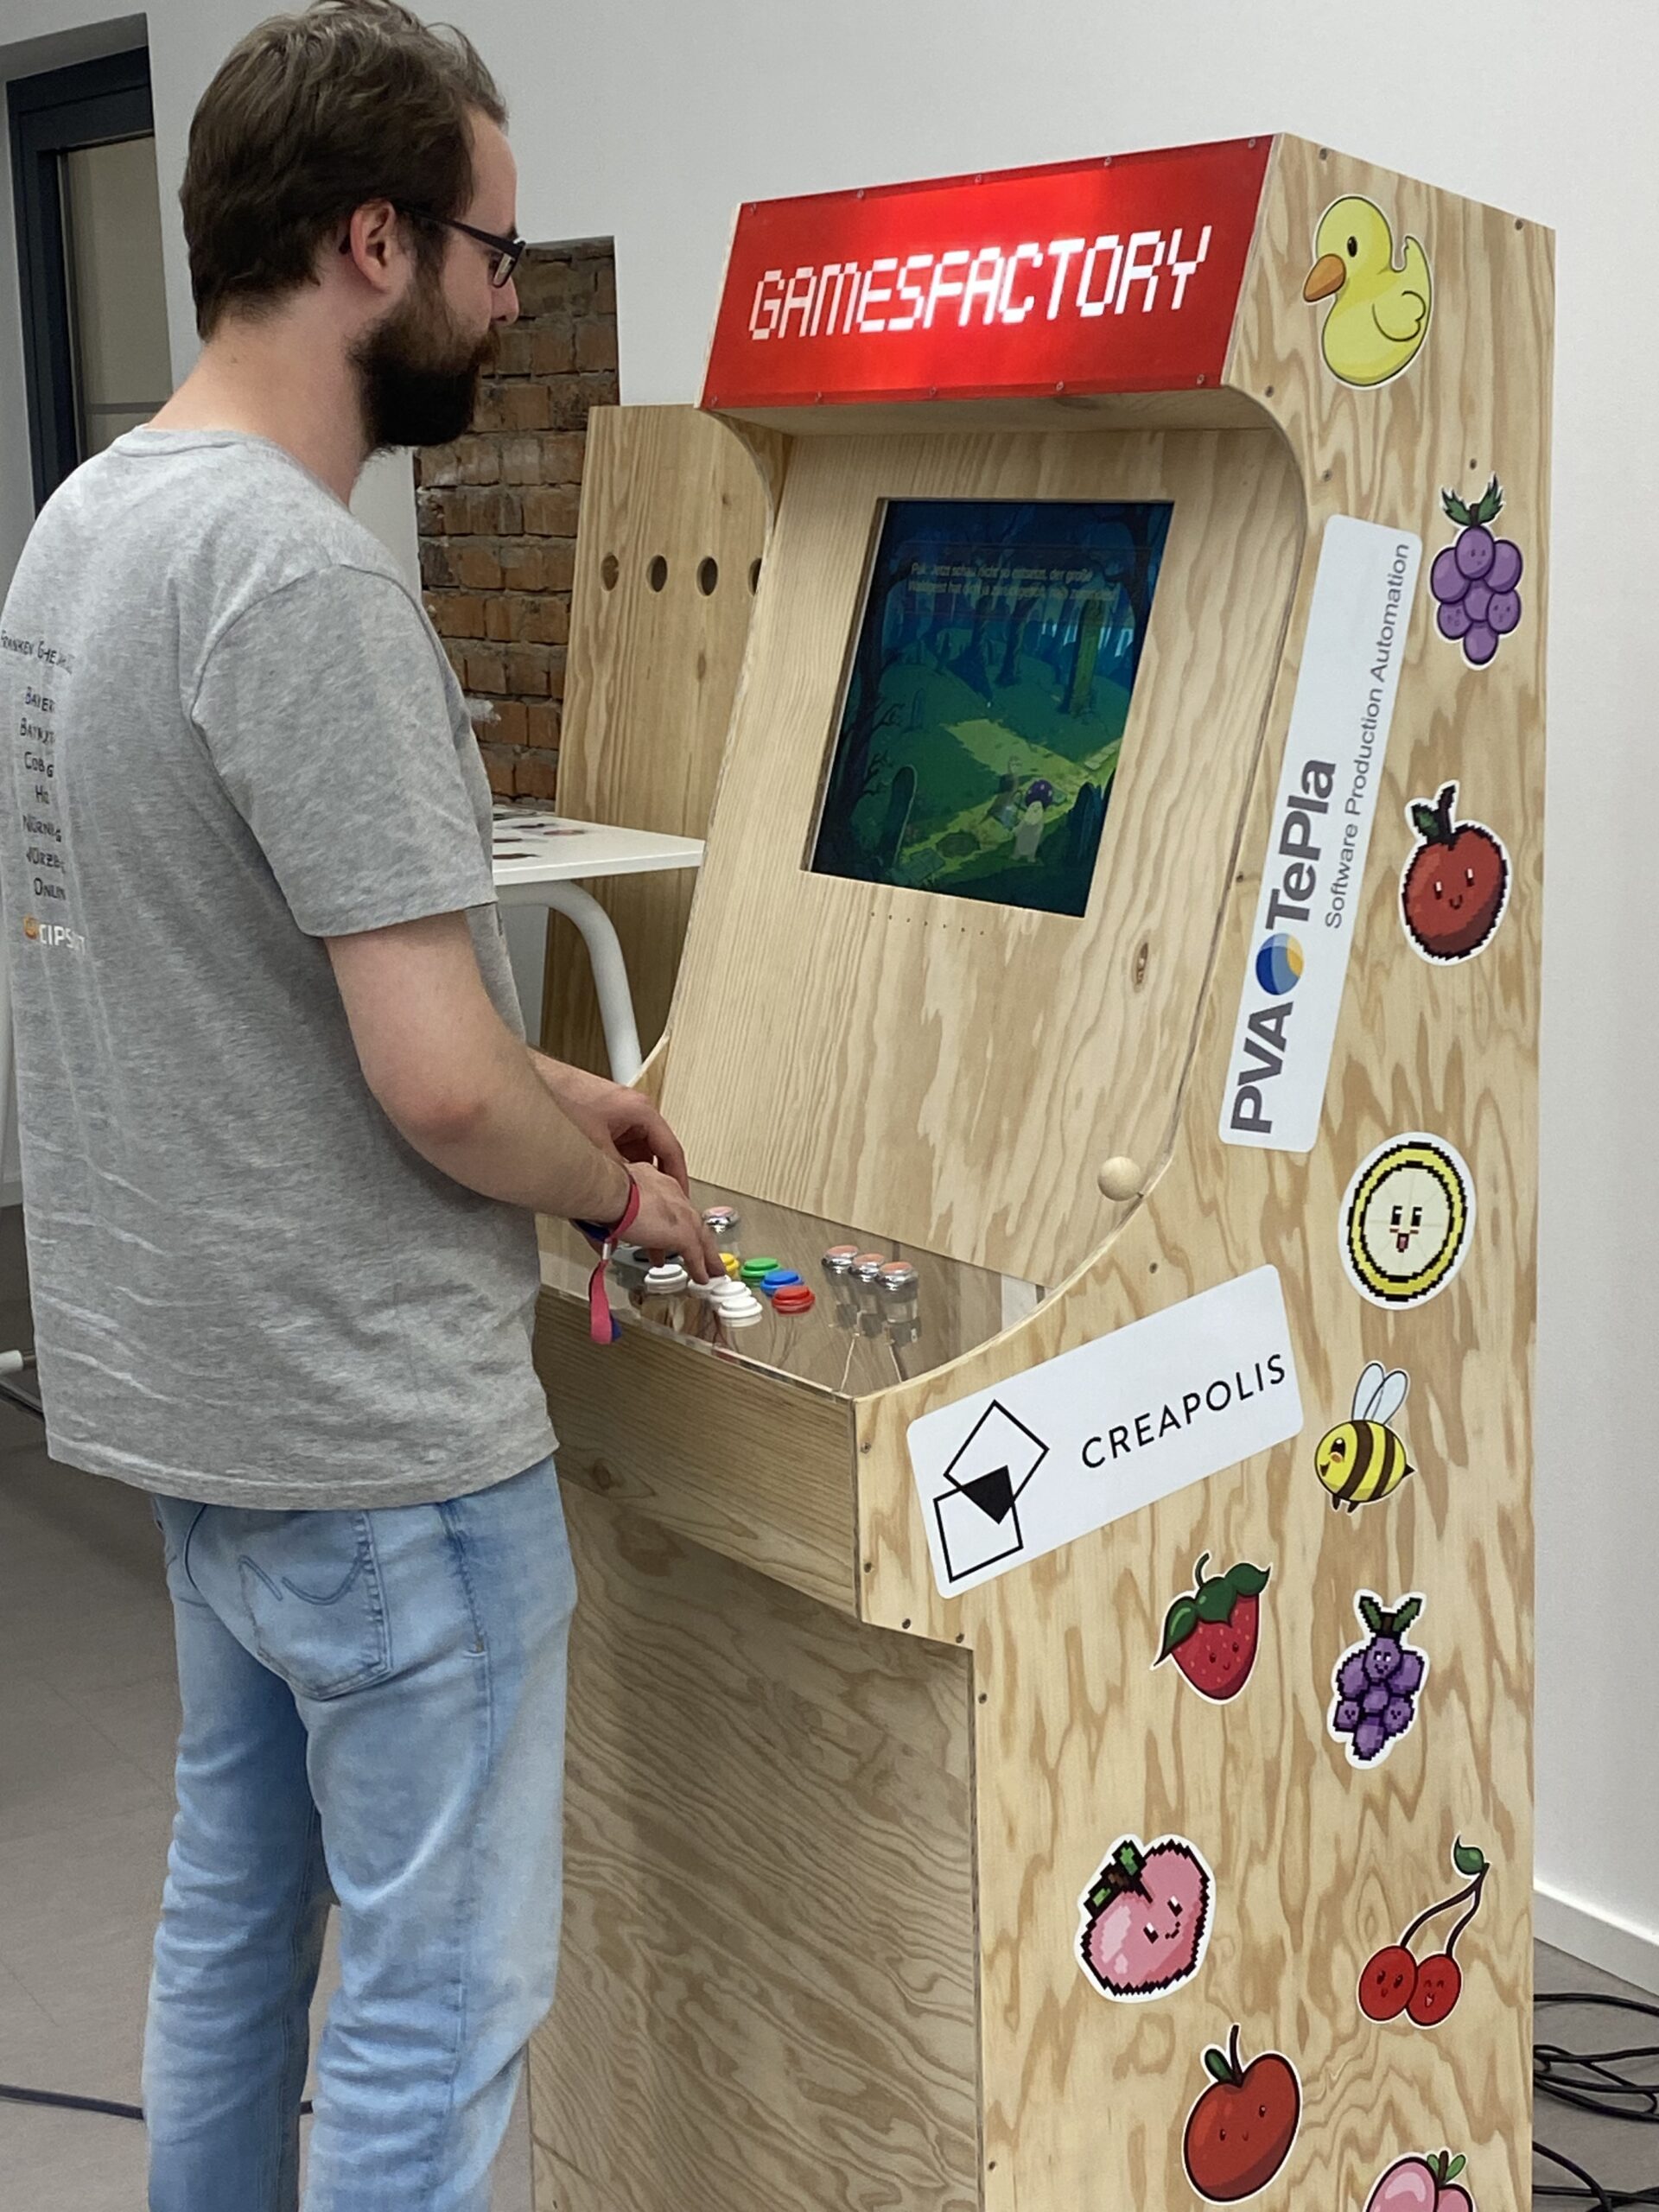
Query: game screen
x,y
987,697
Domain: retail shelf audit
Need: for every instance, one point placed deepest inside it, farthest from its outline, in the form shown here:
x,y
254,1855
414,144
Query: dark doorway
x,y
83,165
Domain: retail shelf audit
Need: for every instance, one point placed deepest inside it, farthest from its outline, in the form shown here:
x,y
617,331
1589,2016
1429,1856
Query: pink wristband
x,y
602,1325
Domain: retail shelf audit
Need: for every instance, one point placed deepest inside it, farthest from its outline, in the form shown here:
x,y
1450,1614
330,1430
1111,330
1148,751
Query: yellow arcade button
x,y
730,1261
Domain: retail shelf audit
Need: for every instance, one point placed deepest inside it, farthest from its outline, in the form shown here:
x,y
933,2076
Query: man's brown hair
x,y
309,117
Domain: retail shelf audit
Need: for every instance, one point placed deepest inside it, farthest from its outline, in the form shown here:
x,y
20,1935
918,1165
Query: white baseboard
x,y
1600,1937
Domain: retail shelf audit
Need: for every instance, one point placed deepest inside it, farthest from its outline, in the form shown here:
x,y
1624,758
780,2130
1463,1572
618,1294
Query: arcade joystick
x,y
865,1271
899,1286
838,1264
722,1221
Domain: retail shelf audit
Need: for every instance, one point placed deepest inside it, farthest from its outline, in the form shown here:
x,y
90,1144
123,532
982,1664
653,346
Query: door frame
x,y
88,103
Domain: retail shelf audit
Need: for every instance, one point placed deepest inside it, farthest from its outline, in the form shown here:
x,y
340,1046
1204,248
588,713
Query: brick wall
x,y
497,511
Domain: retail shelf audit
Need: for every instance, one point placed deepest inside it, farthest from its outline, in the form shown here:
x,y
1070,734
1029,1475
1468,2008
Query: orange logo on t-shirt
x,y
31,928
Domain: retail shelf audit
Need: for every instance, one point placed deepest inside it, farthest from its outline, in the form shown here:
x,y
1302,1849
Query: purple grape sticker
x,y
1377,1684
1473,579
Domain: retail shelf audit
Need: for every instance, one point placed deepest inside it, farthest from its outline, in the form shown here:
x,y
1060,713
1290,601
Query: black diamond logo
x,y
977,1512
992,1493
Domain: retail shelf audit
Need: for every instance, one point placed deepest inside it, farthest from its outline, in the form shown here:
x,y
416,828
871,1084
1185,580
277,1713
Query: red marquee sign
x,y
1120,275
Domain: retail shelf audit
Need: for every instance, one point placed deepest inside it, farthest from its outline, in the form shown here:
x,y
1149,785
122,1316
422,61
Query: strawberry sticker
x,y
1211,1630
1146,1918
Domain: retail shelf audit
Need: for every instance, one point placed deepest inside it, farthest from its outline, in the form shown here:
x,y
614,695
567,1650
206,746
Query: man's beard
x,y
418,374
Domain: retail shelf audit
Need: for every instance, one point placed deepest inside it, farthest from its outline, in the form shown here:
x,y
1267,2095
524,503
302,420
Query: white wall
x,y
648,122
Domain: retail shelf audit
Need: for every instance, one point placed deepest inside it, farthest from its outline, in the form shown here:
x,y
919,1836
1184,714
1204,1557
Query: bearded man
x,y
283,1143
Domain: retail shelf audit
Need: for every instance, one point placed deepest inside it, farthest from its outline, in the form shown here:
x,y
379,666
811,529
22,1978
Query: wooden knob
x,y
1120,1178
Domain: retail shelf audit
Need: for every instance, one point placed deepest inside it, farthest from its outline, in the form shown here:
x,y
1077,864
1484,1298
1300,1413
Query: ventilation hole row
x,y
610,569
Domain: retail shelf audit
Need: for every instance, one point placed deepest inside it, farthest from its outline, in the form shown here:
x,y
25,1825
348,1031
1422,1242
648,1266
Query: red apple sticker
x,y
1146,1918
1241,2131
1456,885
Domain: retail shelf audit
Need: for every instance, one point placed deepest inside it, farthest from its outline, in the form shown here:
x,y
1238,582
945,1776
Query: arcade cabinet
x,y
1050,1721
668,559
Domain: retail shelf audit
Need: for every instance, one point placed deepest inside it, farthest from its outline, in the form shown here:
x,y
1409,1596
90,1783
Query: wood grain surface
x,y
768,1988
649,680
1317,1866
763,1472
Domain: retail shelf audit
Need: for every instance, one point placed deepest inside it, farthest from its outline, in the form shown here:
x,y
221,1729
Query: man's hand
x,y
668,1222
620,1121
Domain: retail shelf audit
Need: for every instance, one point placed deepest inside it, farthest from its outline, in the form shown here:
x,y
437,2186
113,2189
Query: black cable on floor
x,y
61,2100
1592,2081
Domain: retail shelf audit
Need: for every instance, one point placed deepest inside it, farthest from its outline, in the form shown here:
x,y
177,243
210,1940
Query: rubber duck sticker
x,y
1421,2183
1146,1918
1361,1461
1243,2128
1407,1219
1456,885
1378,316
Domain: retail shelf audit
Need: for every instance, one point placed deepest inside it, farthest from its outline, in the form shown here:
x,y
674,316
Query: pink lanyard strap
x,y
602,1325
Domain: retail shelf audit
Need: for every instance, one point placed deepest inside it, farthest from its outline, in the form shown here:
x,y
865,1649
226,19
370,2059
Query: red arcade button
x,y
792,1297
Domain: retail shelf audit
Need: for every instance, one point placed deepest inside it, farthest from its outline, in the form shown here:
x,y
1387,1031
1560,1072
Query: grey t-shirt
x,y
233,733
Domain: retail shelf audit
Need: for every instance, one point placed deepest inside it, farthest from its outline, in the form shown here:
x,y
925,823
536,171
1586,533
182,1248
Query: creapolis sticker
x,y
1050,1454
1315,863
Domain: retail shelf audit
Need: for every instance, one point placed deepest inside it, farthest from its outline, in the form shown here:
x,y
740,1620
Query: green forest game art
x,y
989,694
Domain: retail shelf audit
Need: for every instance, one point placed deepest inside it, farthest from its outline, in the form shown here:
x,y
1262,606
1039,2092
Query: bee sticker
x,y
1361,1461
1407,1219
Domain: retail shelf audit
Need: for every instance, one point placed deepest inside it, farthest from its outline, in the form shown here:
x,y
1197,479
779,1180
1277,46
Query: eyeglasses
x,y
505,253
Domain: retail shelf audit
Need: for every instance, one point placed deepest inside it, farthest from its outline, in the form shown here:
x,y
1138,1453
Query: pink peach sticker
x,y
1146,1918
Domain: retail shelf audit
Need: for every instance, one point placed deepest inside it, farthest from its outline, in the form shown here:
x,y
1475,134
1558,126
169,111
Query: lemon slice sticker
x,y
1407,1220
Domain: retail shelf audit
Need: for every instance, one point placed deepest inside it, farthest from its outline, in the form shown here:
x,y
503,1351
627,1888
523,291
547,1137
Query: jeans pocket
x,y
177,1518
311,1585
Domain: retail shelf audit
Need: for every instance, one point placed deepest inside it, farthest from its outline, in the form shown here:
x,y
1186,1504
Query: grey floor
x,y
87,1717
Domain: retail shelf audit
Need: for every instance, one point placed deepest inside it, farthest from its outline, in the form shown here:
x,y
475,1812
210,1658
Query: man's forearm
x,y
519,1145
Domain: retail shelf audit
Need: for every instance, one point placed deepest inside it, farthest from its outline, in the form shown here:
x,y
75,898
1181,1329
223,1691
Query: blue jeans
x,y
373,1711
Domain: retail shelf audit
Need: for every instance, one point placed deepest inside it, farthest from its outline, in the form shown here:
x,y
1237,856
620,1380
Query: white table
x,y
542,860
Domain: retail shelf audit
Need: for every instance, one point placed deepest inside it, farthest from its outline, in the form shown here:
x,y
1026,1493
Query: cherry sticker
x,y
1427,1990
